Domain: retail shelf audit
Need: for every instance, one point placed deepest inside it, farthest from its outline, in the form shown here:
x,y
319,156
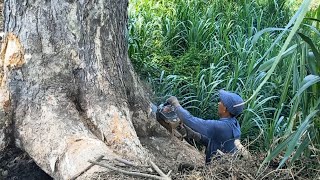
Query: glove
x,y
173,101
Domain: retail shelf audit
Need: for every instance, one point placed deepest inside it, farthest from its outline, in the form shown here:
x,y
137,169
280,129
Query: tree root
x,y
156,168
126,162
162,176
90,166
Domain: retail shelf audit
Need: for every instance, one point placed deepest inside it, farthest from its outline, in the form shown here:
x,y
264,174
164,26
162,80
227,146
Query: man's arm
x,y
204,127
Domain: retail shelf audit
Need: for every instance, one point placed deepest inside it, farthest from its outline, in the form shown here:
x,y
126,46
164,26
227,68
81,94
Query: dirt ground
x,y
227,167
16,165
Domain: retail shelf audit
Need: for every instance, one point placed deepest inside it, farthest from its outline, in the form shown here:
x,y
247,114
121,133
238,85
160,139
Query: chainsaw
x,y
168,118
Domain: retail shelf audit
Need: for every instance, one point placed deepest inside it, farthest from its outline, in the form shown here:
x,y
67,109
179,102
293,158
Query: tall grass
x,y
193,48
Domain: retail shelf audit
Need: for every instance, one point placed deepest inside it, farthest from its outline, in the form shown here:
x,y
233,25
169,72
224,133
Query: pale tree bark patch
x,y
11,57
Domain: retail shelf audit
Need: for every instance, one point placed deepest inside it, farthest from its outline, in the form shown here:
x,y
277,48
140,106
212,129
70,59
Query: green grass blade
x,y
312,19
301,148
296,136
312,46
307,82
267,64
276,151
260,33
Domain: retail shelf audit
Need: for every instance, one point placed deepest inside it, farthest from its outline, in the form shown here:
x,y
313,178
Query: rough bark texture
x,y
5,115
68,90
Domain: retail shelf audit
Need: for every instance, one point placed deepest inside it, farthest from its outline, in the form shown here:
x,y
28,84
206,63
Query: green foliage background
x,y
265,50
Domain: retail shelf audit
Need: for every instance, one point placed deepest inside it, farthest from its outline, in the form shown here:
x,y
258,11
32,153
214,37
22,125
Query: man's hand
x,y
173,101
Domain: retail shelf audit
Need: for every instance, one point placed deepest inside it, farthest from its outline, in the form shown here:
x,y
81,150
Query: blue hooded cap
x,y
233,102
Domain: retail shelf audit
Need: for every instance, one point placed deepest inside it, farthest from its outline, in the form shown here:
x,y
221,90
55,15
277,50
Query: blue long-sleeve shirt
x,y
214,134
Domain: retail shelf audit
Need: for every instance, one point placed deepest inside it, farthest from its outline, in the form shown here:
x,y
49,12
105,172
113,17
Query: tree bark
x,y
68,91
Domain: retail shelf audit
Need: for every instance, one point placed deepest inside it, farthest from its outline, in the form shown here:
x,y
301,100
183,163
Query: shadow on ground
x,y
16,164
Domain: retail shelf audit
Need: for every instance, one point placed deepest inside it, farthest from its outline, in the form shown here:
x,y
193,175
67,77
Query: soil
x,y
16,164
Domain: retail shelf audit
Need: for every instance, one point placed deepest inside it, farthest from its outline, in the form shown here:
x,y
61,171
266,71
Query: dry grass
x,y
233,167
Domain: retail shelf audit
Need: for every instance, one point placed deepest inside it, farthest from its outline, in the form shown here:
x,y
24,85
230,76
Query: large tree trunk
x,y
68,90
65,71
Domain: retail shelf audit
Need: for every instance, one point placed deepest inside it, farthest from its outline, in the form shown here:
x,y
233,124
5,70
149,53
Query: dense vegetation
x,y
265,50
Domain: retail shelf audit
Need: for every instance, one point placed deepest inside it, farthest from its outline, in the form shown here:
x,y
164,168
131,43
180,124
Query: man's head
x,y
230,104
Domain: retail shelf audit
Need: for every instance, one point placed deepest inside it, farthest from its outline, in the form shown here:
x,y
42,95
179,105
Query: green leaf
x,y
301,148
312,46
267,64
298,17
307,82
313,19
312,65
314,29
276,151
296,136
260,33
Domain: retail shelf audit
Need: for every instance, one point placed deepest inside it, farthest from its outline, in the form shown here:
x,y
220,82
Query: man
x,y
215,134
